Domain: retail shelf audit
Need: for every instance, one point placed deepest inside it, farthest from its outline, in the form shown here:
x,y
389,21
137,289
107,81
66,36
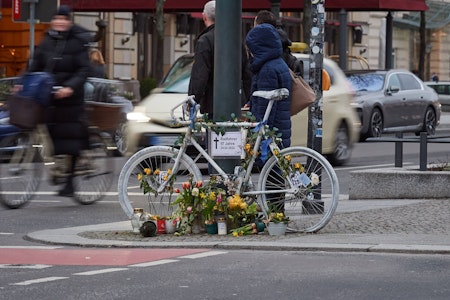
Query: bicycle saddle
x,y
278,94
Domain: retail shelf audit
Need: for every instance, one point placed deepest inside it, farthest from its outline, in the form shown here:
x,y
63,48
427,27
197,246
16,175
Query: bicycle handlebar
x,y
189,108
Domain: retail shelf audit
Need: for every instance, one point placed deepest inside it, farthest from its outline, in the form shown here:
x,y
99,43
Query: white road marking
x,y
40,280
12,266
6,233
103,271
155,263
369,166
31,247
203,254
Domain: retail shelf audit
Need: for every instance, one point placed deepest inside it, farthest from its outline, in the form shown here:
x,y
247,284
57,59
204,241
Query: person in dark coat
x,y
64,53
267,17
270,72
201,84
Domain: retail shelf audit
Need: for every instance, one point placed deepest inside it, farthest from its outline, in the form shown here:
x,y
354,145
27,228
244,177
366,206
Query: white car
x,y
149,123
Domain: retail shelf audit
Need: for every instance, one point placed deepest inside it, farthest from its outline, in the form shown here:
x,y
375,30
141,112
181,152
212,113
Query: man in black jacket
x,y
201,84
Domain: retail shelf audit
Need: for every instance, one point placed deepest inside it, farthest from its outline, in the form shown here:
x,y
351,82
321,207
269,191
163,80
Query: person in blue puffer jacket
x,y
270,72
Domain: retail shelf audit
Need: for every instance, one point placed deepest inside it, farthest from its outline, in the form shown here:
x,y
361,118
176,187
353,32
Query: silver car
x,y
393,101
443,90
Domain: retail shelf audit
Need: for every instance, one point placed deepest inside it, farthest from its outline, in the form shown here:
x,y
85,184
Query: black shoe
x,y
67,191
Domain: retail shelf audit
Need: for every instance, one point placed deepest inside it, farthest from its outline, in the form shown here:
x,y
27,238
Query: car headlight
x,y
138,115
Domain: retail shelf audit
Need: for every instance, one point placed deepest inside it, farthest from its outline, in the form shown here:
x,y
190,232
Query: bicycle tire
x,y
94,172
311,207
21,169
155,157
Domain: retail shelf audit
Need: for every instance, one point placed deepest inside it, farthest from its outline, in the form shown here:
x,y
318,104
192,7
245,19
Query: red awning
x,y
247,5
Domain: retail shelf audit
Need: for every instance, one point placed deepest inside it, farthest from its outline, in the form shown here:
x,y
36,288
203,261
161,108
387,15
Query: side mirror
x,y
393,89
326,81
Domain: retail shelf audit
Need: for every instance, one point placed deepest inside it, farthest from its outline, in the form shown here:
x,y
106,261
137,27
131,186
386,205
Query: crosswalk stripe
x,y
203,254
155,263
39,280
103,271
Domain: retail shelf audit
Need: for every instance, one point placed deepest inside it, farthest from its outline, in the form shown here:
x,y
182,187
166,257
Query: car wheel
x,y
342,148
119,137
429,122
375,123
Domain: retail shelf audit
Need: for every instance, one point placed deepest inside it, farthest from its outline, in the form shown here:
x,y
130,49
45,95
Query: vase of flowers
x,y
211,228
276,228
277,223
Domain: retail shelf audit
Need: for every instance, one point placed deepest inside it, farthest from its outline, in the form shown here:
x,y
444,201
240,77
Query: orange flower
x,y
186,185
198,184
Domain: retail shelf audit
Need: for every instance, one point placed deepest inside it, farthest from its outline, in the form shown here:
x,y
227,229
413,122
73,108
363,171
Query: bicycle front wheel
x,y
94,171
315,188
21,169
159,158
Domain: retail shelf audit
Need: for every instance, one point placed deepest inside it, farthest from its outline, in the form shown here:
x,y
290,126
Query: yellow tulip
x,y
148,171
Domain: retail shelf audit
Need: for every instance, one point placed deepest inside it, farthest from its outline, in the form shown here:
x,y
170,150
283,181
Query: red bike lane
x,y
89,257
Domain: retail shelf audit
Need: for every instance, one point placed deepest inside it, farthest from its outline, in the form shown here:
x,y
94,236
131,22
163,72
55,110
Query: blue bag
x,y
37,86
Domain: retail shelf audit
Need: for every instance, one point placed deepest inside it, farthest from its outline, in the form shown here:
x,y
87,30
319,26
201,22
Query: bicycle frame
x,y
190,139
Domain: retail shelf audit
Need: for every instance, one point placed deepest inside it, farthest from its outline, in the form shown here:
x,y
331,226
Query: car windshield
x,y
367,82
177,79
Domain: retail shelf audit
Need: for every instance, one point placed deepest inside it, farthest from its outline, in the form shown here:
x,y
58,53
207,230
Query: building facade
x,y
129,43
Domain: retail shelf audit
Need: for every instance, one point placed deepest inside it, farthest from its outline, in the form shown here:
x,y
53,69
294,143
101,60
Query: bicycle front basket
x,y
24,112
105,116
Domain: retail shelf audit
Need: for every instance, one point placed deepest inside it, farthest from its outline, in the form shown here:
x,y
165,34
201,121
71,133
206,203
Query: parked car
x,y
149,123
394,101
442,88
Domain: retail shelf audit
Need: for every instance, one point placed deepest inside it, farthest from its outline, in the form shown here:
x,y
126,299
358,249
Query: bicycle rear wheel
x,y
157,157
94,172
21,169
315,199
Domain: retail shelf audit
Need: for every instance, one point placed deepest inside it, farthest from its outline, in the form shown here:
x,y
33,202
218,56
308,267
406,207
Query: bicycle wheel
x,y
21,169
94,171
315,199
156,157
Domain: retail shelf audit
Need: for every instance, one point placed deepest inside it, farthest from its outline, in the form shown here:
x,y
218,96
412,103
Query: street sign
x,y
44,10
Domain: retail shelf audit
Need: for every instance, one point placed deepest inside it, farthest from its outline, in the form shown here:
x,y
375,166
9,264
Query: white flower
x,y
314,179
195,192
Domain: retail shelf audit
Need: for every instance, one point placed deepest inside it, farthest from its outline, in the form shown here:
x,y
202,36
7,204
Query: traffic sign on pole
x,y
44,10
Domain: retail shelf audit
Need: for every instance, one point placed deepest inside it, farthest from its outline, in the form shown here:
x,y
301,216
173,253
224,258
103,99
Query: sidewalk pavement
x,y
393,226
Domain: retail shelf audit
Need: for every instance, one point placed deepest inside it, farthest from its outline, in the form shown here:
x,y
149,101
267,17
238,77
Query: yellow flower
x,y
139,176
147,171
157,171
169,171
202,195
212,196
288,157
165,177
297,166
275,152
247,147
235,233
